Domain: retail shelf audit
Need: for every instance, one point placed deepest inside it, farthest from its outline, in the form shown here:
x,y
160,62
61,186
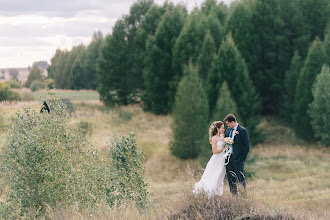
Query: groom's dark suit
x,y
235,166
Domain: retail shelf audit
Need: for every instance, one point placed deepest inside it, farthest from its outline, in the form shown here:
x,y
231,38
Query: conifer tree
x,y
189,43
159,76
229,66
224,105
315,59
190,116
319,109
216,29
113,70
206,56
148,27
291,80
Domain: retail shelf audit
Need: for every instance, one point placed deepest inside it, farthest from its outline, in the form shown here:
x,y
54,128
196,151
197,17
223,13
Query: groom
x,y
241,148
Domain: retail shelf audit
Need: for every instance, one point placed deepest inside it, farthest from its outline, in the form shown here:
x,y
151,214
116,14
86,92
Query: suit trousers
x,y
235,175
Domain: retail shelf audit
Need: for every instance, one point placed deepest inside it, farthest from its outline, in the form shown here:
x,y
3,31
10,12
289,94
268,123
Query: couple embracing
x,y
224,160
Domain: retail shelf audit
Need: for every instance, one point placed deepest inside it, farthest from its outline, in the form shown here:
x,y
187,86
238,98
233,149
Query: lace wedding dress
x,y
212,180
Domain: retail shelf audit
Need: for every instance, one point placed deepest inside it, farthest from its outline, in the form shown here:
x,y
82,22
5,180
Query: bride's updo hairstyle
x,y
213,129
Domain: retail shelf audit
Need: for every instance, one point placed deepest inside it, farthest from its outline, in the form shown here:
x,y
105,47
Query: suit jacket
x,y
241,144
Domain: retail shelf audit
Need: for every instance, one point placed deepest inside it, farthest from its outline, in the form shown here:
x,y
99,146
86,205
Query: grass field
x,y
283,173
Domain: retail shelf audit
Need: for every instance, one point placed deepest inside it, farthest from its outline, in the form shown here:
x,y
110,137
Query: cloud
x,y
33,30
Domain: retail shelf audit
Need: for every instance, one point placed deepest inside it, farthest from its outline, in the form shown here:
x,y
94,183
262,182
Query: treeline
x,y
76,69
263,54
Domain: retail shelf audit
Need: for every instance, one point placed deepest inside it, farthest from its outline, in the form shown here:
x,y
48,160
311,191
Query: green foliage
x,y
190,116
48,162
147,27
6,94
224,105
315,59
35,75
35,85
49,83
206,56
290,83
319,109
113,68
189,43
61,65
159,77
127,172
83,74
14,84
229,66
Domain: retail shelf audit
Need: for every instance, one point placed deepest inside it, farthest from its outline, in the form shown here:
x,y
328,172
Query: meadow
x,y
284,174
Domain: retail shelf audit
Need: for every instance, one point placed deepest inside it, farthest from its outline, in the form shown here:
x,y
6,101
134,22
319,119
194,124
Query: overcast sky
x,y
32,30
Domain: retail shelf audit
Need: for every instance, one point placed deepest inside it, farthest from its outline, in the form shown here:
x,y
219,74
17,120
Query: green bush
x,y
6,94
47,161
14,84
319,109
50,83
35,85
127,172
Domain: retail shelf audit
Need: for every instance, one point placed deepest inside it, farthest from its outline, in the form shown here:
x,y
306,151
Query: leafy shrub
x,y
35,85
126,163
6,94
47,161
50,83
319,109
14,84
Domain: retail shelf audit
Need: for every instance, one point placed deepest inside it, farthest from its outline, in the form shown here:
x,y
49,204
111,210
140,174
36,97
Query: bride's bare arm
x,y
214,146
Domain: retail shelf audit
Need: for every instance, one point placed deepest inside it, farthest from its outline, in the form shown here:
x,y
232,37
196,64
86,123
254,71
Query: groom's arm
x,y
246,144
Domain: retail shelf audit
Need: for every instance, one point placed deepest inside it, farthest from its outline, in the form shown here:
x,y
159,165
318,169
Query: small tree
x,y
35,74
319,109
6,94
314,61
290,83
224,105
127,172
190,115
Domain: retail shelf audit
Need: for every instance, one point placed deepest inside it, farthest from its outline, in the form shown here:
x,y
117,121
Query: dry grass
x,y
283,175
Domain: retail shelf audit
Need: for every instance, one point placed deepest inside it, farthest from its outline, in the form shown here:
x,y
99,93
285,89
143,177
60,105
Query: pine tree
x,y
113,71
216,28
315,59
190,116
189,43
229,66
224,105
291,80
148,27
319,109
35,74
159,76
206,56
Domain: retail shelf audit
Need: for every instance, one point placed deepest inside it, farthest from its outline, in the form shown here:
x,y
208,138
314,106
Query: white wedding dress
x,y
212,180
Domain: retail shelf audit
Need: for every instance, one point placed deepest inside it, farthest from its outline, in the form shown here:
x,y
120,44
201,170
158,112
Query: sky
x,y
32,30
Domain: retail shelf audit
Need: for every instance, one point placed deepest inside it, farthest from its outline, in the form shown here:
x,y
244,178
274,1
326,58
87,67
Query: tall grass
x,y
285,176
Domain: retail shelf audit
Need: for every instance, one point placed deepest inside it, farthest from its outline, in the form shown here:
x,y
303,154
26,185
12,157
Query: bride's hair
x,y
213,129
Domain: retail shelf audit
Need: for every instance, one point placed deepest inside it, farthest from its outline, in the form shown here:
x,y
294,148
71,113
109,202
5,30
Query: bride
x,y
215,171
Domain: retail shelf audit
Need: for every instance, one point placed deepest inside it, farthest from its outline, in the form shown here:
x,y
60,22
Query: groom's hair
x,y
230,118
